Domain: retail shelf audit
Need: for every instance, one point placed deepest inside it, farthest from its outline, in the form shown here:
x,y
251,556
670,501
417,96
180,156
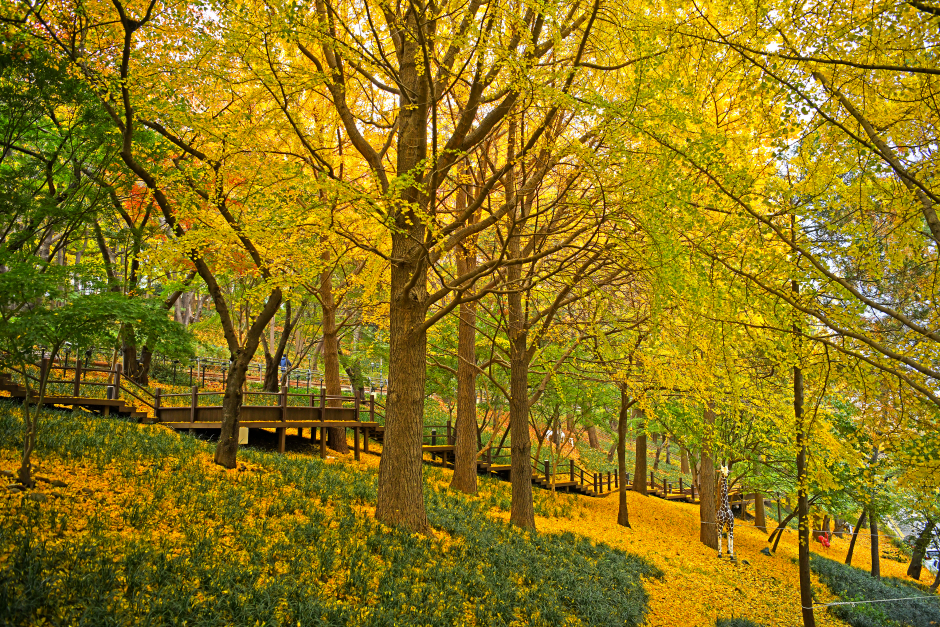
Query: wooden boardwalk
x,y
100,391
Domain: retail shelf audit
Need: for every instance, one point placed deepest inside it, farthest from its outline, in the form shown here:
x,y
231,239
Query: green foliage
x,y
852,584
736,622
287,559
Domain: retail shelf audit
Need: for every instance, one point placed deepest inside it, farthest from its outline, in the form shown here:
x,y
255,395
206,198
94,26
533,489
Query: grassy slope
x,y
149,531
293,538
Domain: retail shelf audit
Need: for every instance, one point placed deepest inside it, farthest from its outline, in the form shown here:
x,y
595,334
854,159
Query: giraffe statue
x,y
725,515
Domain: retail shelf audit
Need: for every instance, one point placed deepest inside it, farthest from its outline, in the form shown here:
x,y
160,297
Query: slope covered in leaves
x,y
146,530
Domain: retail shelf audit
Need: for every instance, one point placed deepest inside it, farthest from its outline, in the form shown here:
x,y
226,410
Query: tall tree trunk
x,y
401,485
858,526
920,549
592,438
760,518
806,595
336,436
708,515
639,467
875,550
936,582
684,462
623,513
465,445
226,451
522,512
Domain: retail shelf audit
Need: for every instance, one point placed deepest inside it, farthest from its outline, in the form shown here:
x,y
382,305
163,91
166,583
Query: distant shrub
x,y
853,584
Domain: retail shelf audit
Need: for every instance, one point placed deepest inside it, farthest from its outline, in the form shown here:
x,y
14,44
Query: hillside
x,y
141,528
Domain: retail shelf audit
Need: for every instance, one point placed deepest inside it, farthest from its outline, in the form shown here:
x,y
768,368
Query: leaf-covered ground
x,y
147,530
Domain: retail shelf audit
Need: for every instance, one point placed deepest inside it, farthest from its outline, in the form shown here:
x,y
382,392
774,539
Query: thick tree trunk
x,y
858,526
226,451
623,513
708,516
920,549
936,582
465,444
592,438
336,436
760,518
875,550
401,485
639,467
522,512
806,595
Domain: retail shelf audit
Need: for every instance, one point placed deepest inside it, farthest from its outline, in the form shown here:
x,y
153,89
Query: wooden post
x,y
282,431
78,378
582,475
156,405
652,481
597,486
547,468
693,492
356,401
450,441
433,437
117,381
571,470
45,370
193,403
365,441
617,479
322,419
665,487
608,481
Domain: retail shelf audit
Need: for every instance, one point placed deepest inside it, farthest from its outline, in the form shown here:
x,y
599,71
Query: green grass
x,y
284,545
853,584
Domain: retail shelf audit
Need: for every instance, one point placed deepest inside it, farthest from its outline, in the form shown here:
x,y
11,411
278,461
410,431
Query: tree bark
x,y
522,512
760,517
623,513
226,451
639,467
858,526
465,445
920,549
708,516
684,462
336,436
592,437
875,550
936,582
806,595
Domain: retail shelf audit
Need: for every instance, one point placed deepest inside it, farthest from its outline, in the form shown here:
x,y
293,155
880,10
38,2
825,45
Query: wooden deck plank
x,y
268,424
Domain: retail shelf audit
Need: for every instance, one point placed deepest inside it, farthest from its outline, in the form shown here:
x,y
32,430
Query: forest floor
x,y
143,528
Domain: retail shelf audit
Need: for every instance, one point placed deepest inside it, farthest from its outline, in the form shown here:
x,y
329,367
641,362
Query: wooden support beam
x,y
282,431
